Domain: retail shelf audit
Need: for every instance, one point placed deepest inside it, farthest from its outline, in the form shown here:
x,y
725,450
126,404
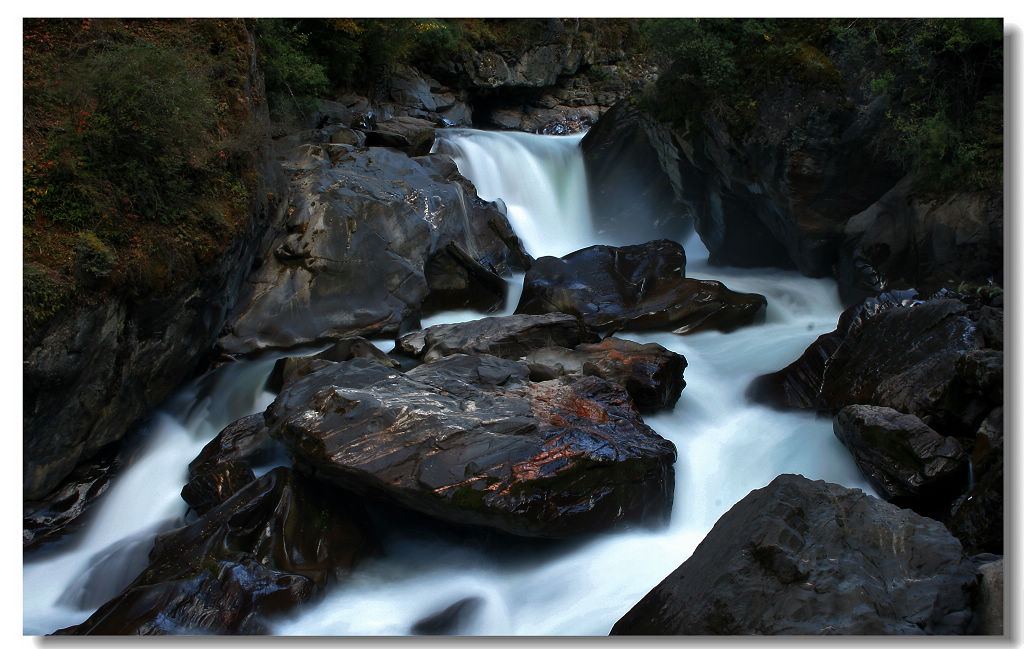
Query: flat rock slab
x,y
469,439
809,557
510,337
639,287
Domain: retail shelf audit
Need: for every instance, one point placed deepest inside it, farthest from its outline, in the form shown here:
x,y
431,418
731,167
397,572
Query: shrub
x,y
293,79
141,118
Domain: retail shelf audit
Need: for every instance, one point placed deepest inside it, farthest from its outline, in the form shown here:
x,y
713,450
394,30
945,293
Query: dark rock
x,y
906,239
216,484
60,511
349,137
469,440
803,557
635,288
892,351
988,614
270,547
245,440
289,368
450,620
908,463
413,135
976,517
509,337
651,374
982,371
360,231
627,177
779,194
458,281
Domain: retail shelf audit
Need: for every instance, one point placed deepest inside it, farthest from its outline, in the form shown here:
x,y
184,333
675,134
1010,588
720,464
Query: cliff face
x,y
103,362
805,181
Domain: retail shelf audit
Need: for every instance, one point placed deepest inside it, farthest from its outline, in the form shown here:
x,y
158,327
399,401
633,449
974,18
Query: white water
x,y
726,446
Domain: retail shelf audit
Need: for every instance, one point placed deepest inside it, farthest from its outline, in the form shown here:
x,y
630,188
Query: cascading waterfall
x,y
727,447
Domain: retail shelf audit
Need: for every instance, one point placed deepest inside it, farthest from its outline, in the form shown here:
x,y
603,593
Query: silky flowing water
x,y
726,446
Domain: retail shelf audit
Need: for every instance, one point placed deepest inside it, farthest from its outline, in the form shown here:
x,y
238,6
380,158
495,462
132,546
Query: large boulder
x,y
637,287
362,225
651,374
894,351
270,547
809,557
468,439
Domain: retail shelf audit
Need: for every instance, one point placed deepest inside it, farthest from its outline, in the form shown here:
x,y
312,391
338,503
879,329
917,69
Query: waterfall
x,y
726,447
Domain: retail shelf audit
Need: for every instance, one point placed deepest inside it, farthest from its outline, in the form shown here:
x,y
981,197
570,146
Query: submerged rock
x,y
809,557
468,439
270,547
651,374
635,288
450,620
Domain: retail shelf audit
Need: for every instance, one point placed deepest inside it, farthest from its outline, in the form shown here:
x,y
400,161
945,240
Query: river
x,y
726,446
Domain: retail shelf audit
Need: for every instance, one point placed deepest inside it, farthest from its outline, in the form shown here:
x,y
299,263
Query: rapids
x,y
726,446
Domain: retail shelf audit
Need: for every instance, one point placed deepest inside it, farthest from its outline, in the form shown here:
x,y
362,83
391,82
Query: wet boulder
x,y
640,287
651,374
908,463
470,440
60,511
359,226
224,466
345,349
893,351
809,557
270,547
510,337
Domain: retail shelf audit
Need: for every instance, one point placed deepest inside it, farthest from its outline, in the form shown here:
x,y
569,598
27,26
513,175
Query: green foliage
x,y
136,138
943,78
50,187
293,79
722,64
94,261
43,294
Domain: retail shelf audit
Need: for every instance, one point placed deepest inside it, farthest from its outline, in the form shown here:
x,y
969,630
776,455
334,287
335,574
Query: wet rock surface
x,y
361,225
639,287
893,350
908,463
809,557
271,546
922,358
510,337
468,439
904,239
291,367
651,374
60,511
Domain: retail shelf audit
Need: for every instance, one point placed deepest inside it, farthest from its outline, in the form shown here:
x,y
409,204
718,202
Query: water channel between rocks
x,y
726,448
